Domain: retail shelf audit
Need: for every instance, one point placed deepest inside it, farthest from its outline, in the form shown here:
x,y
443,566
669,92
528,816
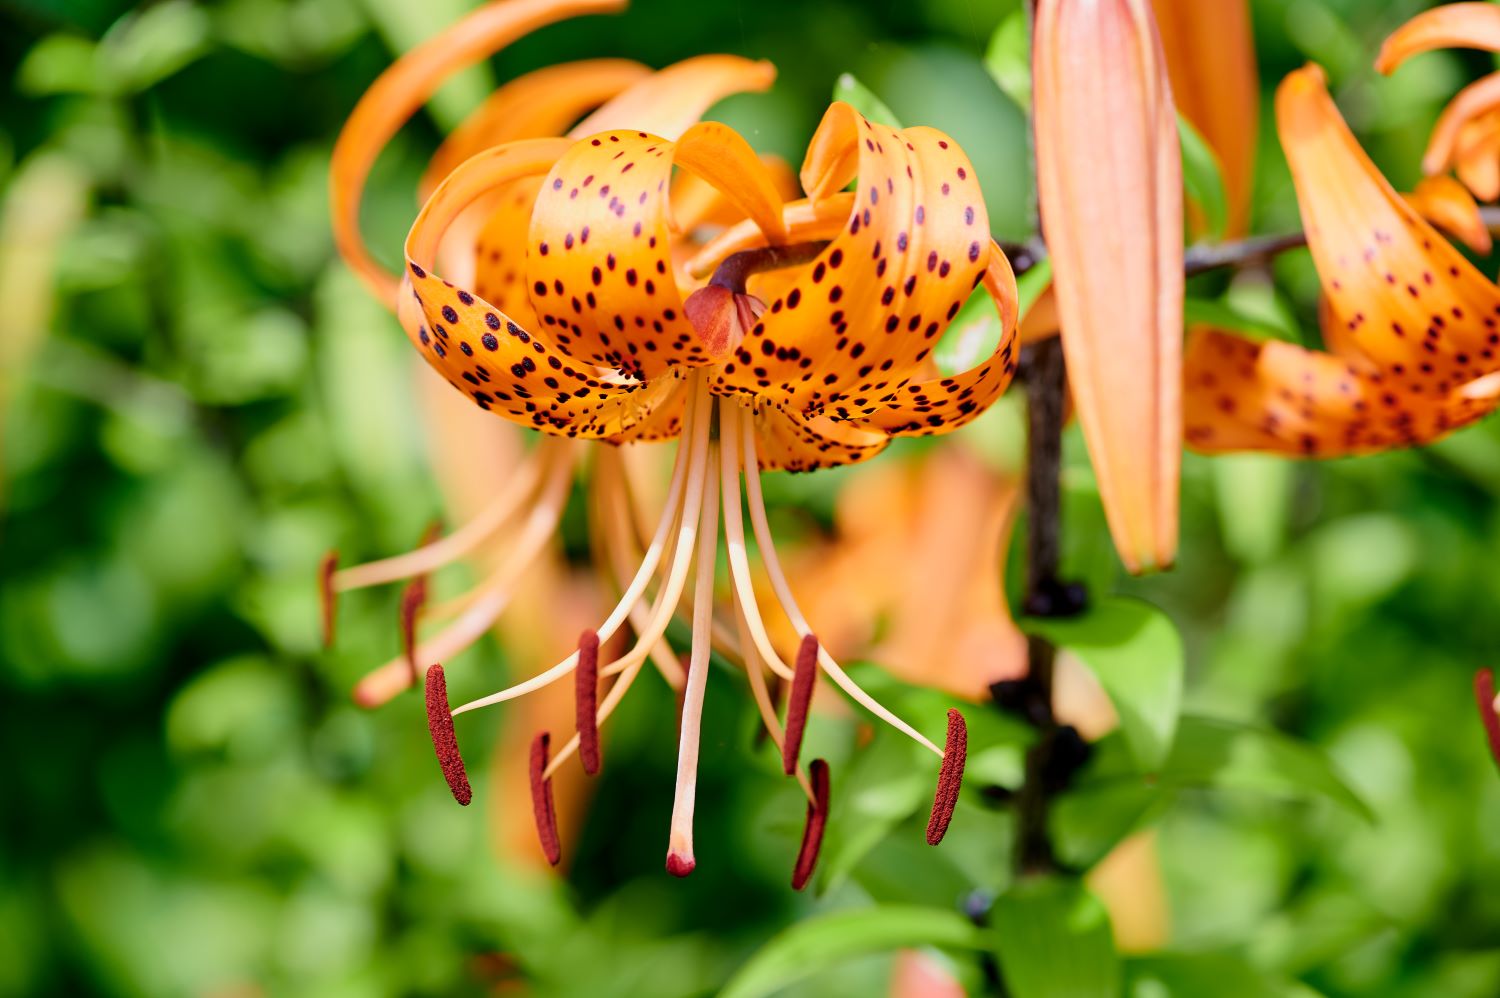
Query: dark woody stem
x,y
1203,257
740,267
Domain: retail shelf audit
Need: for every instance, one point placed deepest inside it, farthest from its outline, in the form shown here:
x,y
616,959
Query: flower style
x,y
577,325
1412,327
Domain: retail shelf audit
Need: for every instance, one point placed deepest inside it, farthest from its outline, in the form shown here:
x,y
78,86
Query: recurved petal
x,y
1210,52
1447,204
857,323
599,264
1453,25
671,100
1476,158
483,352
1407,299
1474,102
940,405
1115,236
406,86
788,440
540,103
1241,394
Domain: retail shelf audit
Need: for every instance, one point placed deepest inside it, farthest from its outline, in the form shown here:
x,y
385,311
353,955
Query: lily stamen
x,y
812,832
803,678
587,701
444,738
543,808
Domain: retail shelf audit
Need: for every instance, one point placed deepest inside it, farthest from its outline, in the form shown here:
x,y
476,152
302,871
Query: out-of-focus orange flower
x,y
598,339
1210,51
1115,237
1467,135
1412,326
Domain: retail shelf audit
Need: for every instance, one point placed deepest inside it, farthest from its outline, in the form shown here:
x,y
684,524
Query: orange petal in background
x,y
1447,204
1454,25
1476,156
1210,52
1115,235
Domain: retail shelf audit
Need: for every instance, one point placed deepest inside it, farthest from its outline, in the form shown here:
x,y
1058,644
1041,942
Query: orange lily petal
x,y
507,369
789,441
1447,204
942,404
1454,25
669,101
611,190
1240,394
533,106
406,86
1115,235
1210,51
1476,158
1472,103
858,321
805,221
1410,302
696,202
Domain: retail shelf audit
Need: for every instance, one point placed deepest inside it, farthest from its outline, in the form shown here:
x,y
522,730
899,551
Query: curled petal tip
x,y
950,778
1453,25
444,739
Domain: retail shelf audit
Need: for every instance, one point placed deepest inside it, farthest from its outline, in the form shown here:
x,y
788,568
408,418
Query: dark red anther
x,y
817,821
586,698
542,807
950,778
1484,692
328,597
796,706
412,599
444,739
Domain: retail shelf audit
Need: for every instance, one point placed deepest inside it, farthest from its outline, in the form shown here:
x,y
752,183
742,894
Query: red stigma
x,y
796,705
817,820
586,698
1484,692
412,599
950,778
542,807
679,866
327,596
444,740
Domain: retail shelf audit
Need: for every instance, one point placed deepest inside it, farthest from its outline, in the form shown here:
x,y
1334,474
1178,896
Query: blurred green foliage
x,y
202,400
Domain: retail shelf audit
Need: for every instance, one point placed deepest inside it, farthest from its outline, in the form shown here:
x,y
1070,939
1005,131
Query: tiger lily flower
x,y
1115,237
523,515
1467,135
606,337
1411,325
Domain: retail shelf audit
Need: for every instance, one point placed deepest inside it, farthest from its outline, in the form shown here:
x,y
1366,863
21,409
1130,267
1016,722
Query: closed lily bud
x,y
1109,173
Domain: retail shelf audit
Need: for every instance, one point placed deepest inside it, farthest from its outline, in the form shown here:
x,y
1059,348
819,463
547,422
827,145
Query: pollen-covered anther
x,y
817,821
328,598
542,807
413,597
1489,709
722,317
444,739
803,677
950,778
586,689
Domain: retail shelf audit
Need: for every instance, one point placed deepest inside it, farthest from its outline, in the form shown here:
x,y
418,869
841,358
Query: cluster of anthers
x,y
809,345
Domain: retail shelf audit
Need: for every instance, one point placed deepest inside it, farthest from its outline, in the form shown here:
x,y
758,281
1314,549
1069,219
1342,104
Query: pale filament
x,y
618,538
488,600
692,467
734,539
680,841
454,546
755,671
783,592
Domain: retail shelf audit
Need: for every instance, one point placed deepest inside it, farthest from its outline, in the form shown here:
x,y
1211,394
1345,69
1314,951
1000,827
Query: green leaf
x,y
1230,755
1091,819
1055,942
827,940
858,96
1221,314
1202,178
1136,653
144,48
886,784
1008,59
1224,975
